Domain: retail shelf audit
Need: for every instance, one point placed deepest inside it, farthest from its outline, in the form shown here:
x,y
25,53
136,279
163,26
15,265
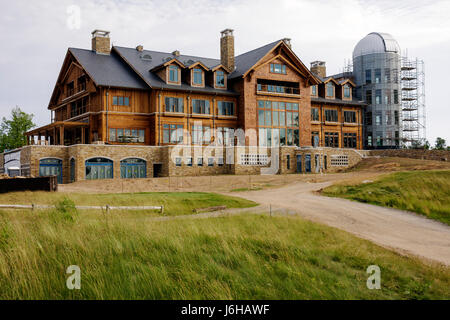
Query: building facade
x,y
120,113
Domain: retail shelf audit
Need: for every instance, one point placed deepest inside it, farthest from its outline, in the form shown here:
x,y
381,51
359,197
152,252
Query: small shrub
x,y
65,211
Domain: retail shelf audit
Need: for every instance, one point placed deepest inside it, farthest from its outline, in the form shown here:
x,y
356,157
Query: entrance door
x,y
317,163
308,163
299,164
157,170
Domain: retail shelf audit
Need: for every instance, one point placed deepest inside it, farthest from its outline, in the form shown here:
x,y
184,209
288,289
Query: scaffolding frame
x,y
413,101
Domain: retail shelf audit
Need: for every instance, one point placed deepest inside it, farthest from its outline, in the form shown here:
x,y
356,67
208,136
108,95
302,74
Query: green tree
x,y
12,131
440,144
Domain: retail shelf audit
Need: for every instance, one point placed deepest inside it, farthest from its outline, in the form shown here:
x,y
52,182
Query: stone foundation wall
x,y
438,155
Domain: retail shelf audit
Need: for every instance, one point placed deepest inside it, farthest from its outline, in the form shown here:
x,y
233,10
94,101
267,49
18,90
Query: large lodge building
x,y
120,112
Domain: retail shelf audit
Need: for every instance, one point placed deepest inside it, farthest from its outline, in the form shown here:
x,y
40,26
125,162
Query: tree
x,y
12,132
440,144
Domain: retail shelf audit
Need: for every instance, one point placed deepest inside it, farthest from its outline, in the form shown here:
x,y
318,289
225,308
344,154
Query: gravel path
x,y
404,232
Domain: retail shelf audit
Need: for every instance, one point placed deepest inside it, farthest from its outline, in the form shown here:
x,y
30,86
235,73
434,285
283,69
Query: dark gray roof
x,y
339,101
107,70
142,67
247,60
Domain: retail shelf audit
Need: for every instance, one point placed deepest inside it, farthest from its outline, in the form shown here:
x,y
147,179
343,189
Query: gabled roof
x,y
142,68
247,60
107,70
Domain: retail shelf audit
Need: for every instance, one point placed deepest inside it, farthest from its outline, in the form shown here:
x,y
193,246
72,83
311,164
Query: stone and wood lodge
x,y
120,112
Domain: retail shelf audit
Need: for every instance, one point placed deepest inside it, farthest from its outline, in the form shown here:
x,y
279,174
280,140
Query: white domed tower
x,y
376,70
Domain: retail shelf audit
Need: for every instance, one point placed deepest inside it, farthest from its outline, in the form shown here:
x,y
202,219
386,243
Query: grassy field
x,y
238,257
180,203
424,192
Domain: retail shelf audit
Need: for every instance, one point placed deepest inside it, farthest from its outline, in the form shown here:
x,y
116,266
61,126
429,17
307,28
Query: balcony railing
x,y
269,88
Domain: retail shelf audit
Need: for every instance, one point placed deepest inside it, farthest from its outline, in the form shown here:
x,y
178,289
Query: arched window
x,y
51,167
133,168
99,168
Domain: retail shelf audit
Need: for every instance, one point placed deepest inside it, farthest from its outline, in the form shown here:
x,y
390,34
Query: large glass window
x,y
224,136
350,116
347,91
121,101
172,133
201,135
368,76
174,104
377,75
173,73
315,114
220,79
127,135
226,108
51,167
350,140
133,168
331,115
200,106
99,168
198,76
332,139
277,68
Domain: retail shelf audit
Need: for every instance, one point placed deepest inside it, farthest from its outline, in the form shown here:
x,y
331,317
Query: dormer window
x,y
314,90
220,79
330,90
173,73
197,76
347,91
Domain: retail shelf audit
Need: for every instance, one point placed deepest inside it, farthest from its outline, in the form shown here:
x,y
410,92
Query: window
x,y
288,162
368,118
133,168
198,76
377,75
331,115
201,135
332,139
369,139
174,104
172,133
379,139
347,91
330,89
127,135
200,162
378,96
339,161
369,96
378,118
224,136
220,162
81,83
387,75
99,168
314,90
315,139
395,75
254,159
387,97
368,76
388,118
350,140
395,96
173,73
51,167
121,101
70,89
189,162
210,162
178,162
79,107
226,108
277,68
350,116
314,114
200,106
220,79
396,117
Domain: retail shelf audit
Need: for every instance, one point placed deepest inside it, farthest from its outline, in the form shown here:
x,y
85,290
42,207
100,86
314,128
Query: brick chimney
x,y
319,68
101,43
227,49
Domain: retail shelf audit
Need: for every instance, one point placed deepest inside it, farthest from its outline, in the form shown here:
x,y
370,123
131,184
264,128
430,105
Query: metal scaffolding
x,y
413,101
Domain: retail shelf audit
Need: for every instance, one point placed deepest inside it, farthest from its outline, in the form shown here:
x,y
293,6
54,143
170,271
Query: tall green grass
x,y
239,257
424,192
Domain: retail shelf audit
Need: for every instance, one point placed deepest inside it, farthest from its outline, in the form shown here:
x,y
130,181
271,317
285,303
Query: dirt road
x,y
401,231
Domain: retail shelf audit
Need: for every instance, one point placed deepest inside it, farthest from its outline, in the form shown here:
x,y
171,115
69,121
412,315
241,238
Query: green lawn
x,y
238,257
181,203
424,192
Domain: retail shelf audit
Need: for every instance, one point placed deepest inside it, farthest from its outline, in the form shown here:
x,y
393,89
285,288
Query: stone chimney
x,y
101,43
140,48
227,49
319,68
176,53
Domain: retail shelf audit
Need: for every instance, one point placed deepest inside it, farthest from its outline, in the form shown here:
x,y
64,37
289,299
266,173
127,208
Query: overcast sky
x,y
35,35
